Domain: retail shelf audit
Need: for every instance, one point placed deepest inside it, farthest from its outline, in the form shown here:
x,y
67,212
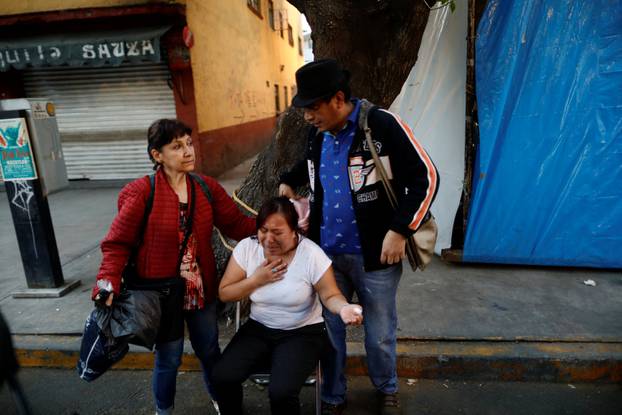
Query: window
x,y
277,99
299,45
271,14
286,95
290,34
281,23
255,6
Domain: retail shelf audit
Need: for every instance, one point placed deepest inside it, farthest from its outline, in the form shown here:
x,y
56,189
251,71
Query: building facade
x,y
224,67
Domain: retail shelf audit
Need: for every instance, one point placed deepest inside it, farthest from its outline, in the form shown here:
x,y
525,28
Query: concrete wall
x,y
237,60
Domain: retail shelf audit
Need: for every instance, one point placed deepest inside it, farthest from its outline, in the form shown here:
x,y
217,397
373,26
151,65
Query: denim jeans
x,y
203,331
376,291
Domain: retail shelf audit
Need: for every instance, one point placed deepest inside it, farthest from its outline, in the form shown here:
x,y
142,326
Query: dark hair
x,y
343,87
280,205
163,131
347,92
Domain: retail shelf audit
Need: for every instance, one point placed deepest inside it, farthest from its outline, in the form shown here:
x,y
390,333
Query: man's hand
x,y
393,248
287,191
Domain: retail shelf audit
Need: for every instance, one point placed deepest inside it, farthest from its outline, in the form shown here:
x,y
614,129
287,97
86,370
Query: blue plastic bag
x,y
98,351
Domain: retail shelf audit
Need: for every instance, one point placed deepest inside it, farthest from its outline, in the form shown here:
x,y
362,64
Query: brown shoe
x,y
332,409
389,404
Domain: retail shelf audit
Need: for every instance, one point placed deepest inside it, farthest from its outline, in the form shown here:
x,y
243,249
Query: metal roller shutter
x,y
103,115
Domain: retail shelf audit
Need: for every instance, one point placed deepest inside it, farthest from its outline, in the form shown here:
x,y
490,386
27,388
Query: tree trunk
x,y
376,40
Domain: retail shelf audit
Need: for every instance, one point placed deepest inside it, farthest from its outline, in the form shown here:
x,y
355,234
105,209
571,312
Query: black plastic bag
x,y
133,318
136,317
99,351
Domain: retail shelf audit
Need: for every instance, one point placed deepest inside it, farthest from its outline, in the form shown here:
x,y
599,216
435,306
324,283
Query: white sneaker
x,y
216,408
168,411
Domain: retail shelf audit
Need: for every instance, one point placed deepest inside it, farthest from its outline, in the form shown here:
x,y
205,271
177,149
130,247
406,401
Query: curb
x,y
594,362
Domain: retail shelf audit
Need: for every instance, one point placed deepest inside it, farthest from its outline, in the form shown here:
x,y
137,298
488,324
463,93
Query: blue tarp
x,y
548,174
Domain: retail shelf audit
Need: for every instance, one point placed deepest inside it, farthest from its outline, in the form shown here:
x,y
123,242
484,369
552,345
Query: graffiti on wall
x,y
247,105
22,196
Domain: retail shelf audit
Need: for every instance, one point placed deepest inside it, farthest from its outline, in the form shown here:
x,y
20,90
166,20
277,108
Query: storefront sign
x,y
89,49
16,158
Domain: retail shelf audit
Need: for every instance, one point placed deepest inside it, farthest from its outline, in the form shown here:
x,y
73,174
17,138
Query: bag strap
x,y
148,208
204,187
188,230
208,195
149,204
366,106
143,223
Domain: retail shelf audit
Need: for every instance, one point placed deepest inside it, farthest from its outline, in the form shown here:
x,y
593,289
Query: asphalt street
x,y
54,391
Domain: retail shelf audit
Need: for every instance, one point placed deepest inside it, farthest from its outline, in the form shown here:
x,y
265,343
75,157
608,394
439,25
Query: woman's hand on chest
x,y
269,272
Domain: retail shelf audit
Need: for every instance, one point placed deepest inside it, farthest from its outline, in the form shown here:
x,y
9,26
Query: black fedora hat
x,y
319,79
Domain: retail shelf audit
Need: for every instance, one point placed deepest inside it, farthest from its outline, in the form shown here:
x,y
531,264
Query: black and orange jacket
x,y
413,176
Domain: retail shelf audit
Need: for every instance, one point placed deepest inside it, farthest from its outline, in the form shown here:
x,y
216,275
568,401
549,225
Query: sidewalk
x,y
456,321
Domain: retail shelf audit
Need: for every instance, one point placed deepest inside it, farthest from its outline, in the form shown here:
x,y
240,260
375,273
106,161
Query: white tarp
x,y
433,101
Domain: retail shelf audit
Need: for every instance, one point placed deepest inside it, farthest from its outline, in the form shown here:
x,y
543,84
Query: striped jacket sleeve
x,y
415,178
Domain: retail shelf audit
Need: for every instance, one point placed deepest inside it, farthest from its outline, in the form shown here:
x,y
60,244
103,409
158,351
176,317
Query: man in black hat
x,y
352,220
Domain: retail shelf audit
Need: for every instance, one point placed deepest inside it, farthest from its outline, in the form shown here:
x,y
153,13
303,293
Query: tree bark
x,y
376,40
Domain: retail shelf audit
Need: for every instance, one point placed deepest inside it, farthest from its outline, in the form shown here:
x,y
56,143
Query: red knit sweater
x,y
158,253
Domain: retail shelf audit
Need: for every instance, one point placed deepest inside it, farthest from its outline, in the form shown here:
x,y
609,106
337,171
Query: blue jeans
x,y
376,291
203,331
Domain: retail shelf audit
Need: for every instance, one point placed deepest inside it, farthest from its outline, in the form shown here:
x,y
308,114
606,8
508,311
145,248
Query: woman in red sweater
x,y
181,217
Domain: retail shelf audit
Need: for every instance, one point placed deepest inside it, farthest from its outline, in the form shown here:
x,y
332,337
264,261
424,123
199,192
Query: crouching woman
x,y
283,273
